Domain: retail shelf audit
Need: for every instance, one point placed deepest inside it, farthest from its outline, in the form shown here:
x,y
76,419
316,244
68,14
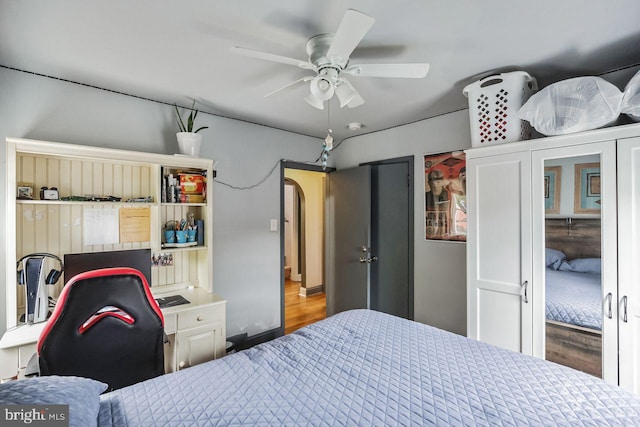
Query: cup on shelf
x,y
191,235
169,236
181,236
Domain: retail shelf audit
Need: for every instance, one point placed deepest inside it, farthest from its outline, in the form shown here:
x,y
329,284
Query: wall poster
x,y
552,176
445,199
587,196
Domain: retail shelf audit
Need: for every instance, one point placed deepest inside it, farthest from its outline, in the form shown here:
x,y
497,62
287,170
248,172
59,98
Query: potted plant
x,y
189,141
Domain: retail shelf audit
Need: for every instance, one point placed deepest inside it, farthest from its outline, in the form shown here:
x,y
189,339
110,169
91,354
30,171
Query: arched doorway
x,y
304,298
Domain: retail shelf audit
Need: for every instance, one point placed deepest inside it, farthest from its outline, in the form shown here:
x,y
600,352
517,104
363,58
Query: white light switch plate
x,y
274,225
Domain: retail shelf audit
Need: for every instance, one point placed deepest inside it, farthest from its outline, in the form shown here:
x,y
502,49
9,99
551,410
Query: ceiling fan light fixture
x,y
345,94
322,88
314,102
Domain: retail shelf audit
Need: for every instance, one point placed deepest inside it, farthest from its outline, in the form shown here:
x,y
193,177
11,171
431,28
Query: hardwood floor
x,y
301,311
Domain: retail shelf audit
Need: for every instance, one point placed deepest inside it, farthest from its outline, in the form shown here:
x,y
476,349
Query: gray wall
x,y
246,254
440,293
246,267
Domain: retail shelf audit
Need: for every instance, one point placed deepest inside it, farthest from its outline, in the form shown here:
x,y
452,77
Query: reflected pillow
x,y
81,394
582,265
553,258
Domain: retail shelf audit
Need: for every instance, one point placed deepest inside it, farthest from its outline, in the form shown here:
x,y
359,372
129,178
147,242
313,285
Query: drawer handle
x,y
199,318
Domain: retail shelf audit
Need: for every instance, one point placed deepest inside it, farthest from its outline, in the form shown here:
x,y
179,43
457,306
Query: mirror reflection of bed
x,y
573,293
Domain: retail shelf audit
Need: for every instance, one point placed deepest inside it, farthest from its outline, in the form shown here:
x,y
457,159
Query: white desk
x,y
196,331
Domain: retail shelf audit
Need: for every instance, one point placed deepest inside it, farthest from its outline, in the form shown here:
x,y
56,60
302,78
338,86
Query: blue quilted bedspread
x,y
574,298
367,368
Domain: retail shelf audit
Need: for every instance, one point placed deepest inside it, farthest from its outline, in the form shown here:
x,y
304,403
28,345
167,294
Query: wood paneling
x,y
581,239
578,349
57,227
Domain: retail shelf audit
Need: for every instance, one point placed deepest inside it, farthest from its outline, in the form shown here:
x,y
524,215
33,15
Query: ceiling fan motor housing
x,y
317,48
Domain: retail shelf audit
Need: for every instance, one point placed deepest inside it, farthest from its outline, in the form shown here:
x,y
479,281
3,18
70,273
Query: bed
x,y
363,367
573,309
358,367
574,298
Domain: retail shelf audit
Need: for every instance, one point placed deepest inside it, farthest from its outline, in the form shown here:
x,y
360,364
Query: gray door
x,y
348,220
370,238
390,226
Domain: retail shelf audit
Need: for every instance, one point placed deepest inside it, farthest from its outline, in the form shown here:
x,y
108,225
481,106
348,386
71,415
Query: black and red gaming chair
x,y
106,326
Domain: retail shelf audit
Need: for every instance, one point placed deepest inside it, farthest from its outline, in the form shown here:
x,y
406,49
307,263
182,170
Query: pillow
x,y
81,394
582,265
553,258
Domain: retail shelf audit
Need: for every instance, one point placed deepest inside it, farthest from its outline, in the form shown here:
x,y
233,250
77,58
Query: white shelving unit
x,y
57,226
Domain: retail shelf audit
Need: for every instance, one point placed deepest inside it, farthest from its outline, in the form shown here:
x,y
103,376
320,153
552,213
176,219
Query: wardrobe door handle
x,y
624,309
609,297
524,287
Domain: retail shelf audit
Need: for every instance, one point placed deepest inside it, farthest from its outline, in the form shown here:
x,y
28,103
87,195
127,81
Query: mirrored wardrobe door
x,y
573,247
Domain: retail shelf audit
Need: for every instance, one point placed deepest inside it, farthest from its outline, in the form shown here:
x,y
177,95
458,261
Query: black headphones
x,y
53,275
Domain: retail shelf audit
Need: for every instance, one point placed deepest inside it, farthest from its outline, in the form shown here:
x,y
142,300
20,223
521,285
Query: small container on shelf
x,y
181,236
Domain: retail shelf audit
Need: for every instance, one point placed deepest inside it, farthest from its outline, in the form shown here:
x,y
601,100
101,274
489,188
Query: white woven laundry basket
x,y
494,102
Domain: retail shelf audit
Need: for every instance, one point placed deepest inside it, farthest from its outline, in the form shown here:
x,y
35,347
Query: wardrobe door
x,y
499,250
574,213
629,262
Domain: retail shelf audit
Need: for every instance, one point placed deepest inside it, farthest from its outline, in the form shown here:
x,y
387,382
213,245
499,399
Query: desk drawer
x,y
200,316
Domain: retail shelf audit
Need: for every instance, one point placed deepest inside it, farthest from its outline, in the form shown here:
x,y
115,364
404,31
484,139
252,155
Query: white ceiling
x,y
178,51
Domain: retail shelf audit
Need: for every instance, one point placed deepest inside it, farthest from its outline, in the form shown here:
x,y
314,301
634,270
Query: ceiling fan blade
x,y
409,71
304,79
348,95
272,57
350,32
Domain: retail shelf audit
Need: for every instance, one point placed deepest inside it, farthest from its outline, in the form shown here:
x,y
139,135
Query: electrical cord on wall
x,y
249,187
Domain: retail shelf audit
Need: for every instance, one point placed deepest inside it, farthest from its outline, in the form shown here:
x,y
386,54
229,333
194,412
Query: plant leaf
x,y
203,127
180,122
190,122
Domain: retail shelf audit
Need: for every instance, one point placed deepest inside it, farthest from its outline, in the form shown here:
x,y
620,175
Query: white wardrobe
x,y
506,243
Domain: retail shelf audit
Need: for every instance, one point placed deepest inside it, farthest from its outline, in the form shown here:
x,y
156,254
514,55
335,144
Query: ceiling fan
x,y
329,60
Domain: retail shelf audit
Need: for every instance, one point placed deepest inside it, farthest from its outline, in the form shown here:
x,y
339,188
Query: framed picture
x,y
587,197
24,191
552,175
445,200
